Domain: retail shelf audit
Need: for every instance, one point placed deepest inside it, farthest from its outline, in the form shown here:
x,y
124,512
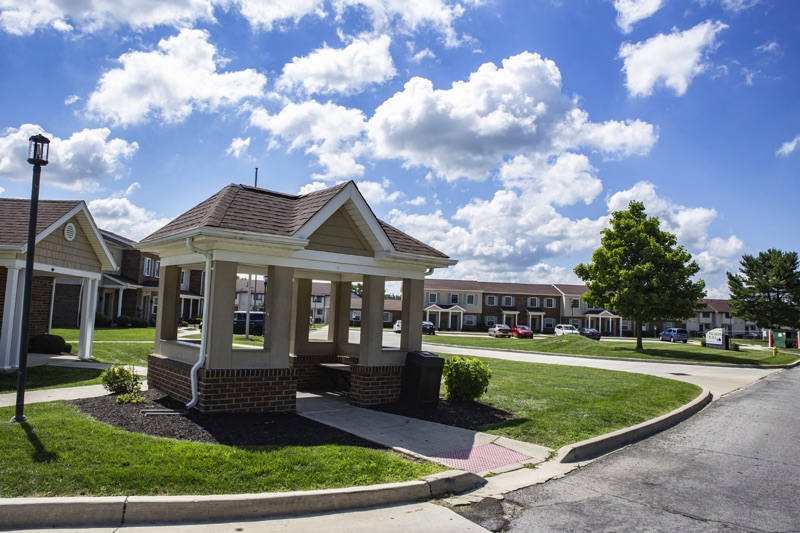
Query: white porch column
x,y
413,302
88,310
300,311
369,353
119,301
278,317
12,310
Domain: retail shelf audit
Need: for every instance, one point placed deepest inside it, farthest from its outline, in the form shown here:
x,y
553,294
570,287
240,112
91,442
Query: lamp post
x,y
38,152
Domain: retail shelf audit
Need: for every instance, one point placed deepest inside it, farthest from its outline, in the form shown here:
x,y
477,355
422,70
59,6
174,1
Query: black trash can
x,y
422,377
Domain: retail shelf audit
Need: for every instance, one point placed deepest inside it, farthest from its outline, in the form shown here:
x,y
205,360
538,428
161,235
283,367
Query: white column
x,y
371,347
88,310
119,301
9,341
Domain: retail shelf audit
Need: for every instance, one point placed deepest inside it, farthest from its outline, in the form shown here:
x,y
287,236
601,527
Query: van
x,y
256,322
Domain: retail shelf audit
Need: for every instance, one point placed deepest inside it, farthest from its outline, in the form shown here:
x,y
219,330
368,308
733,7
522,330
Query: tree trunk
x,y
638,335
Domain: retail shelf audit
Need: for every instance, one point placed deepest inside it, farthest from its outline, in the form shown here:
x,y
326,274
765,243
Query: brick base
x,y
226,390
374,385
309,374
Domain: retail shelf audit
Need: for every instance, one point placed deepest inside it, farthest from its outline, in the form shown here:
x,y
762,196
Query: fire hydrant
x,y
774,351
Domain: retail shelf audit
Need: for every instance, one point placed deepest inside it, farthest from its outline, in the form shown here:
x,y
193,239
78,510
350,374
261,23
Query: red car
x,y
522,332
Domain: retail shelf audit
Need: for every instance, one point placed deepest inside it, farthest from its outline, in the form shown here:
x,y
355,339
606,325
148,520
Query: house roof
x,y
51,214
717,306
117,240
571,290
14,215
256,210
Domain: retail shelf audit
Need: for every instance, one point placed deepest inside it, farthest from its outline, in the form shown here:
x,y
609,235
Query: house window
x,y
155,306
470,299
148,265
183,278
508,301
454,299
259,296
356,316
705,314
156,269
667,325
387,317
491,300
316,299
433,297
470,320
626,325
549,322
533,302
550,303
575,303
490,321
727,315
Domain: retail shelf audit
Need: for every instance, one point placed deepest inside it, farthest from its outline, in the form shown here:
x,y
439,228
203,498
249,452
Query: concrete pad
x,y
52,512
52,395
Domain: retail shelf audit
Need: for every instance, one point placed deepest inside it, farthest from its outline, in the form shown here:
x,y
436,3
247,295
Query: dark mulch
x,y
232,429
266,429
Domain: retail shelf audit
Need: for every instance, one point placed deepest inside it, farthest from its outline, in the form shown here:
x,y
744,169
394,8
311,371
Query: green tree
x,y
767,289
640,271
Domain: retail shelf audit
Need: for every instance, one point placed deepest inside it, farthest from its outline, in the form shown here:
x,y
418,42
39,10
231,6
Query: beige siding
x,y
340,235
78,254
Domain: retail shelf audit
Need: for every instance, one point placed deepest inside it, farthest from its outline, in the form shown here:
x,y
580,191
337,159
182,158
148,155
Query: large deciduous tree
x,y
767,289
641,272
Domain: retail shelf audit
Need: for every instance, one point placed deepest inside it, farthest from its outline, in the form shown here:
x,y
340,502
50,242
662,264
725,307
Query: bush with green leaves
x,y
123,321
702,341
101,320
119,379
49,344
137,322
465,380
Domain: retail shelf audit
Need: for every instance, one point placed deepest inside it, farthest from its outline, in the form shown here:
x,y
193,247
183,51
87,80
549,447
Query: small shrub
x,y
101,321
123,321
67,348
184,324
46,343
132,397
137,322
465,380
703,341
118,379
734,346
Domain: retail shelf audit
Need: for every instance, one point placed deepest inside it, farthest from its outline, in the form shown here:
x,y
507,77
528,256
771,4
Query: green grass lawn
x,y
62,452
50,377
71,335
577,345
558,405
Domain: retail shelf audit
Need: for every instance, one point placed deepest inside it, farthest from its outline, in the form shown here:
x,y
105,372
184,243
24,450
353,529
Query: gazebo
x,y
332,235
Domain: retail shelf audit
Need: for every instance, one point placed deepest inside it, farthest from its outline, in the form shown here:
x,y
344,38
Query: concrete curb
x,y
117,510
592,448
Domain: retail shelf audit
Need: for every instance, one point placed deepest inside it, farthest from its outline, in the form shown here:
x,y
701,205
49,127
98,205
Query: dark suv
x,y
674,335
256,322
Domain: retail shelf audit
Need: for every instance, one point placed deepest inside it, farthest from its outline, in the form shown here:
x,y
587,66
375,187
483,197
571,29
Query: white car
x,y
566,329
398,326
499,330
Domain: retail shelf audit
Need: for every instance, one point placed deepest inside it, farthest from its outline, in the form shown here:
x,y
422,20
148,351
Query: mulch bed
x,y
266,429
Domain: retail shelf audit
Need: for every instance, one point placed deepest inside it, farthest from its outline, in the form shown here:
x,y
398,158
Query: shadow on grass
x,y
679,355
40,453
41,377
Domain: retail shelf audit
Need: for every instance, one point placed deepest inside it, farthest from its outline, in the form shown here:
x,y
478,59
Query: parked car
x,y
522,332
566,329
674,335
499,330
590,333
427,327
256,322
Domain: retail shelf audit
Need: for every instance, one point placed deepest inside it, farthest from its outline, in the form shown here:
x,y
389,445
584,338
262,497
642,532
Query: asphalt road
x,y
733,467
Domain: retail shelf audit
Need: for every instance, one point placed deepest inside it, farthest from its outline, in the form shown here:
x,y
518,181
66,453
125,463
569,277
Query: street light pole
x,y
38,152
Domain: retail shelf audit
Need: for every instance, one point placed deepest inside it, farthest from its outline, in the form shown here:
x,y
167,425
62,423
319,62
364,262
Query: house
x,y
716,313
330,235
256,287
68,245
131,290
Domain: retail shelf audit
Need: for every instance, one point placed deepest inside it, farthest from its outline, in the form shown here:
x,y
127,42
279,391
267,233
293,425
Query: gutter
x,y
204,333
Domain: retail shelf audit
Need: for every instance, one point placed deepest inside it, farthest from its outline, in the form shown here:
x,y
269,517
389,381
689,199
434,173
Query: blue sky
x,y
502,132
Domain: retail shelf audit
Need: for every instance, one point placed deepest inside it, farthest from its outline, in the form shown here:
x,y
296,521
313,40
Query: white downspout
x,y
204,333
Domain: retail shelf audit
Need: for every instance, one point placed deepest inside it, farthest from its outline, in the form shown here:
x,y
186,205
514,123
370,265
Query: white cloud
x,y
738,5
565,180
418,201
673,60
24,17
121,216
327,131
312,187
468,130
266,15
347,71
788,147
2,190
78,163
170,83
238,147
376,193
69,100
423,54
771,47
629,12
